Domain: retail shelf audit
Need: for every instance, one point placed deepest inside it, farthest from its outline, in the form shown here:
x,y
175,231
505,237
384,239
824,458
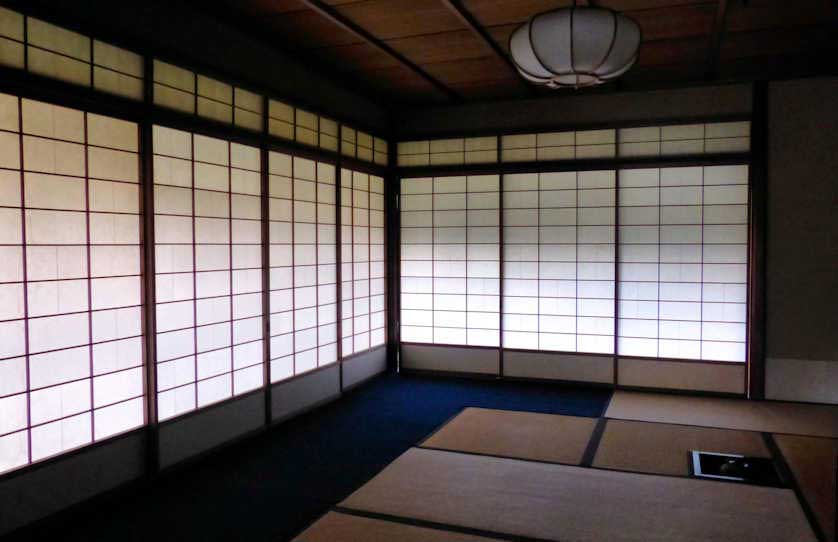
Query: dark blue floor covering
x,y
273,486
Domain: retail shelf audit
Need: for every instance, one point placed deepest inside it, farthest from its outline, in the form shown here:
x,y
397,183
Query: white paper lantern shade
x,y
575,47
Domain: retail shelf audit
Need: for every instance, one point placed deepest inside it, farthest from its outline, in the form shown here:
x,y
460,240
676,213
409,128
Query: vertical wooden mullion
x,y
465,189
433,261
756,268
339,257
392,248
230,262
194,270
266,271
576,266
658,278
352,245
148,275
538,256
293,259
317,258
25,278
701,268
369,265
501,259
89,279
616,309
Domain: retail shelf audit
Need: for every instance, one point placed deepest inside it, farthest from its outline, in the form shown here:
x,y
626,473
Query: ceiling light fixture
x,y
578,46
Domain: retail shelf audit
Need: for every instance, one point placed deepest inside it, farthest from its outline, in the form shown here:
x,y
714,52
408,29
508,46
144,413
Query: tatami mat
x,y
661,448
814,462
337,527
570,504
524,435
767,416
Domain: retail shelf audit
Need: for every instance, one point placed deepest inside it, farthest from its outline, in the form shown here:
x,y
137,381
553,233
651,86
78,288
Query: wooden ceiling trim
x,y
391,19
646,5
474,26
439,47
342,21
306,29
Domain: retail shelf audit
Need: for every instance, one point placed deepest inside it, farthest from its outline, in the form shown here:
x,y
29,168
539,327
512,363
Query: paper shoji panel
x,y
281,216
378,263
55,52
185,91
349,141
174,87
215,99
362,259
12,40
365,144
70,303
711,138
559,146
683,262
280,119
306,127
348,138
450,260
208,270
117,71
559,261
328,134
470,150
303,265
288,122
247,110
380,151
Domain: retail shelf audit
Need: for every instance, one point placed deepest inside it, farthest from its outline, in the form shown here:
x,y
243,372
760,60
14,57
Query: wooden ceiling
x,y
412,52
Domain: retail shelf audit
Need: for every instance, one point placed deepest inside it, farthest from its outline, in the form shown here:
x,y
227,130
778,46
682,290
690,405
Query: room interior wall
x,y
173,30
566,111
802,255
802,241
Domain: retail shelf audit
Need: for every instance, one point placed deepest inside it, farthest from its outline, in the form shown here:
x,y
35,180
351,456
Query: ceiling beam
x,y
716,35
350,26
465,16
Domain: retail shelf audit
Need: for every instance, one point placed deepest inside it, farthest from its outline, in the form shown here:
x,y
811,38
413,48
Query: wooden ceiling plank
x,y
477,29
716,37
342,21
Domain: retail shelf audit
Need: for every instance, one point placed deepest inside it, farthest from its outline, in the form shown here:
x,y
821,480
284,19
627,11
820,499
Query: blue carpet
x,y
273,486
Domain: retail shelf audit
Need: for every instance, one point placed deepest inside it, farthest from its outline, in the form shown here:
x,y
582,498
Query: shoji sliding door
x,y
683,271
450,257
303,265
208,270
70,299
363,321
634,276
559,251
559,264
